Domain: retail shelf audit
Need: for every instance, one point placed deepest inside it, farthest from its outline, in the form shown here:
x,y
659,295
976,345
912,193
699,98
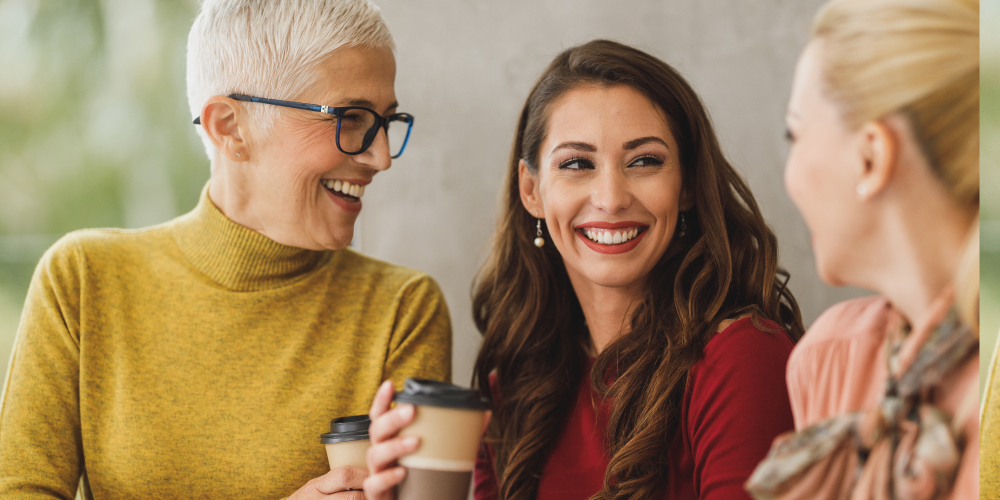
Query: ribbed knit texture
x,y
200,359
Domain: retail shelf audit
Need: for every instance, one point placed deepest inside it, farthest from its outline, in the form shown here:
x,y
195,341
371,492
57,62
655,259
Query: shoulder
x,y
850,328
99,247
406,297
355,266
746,342
839,364
746,356
861,318
739,381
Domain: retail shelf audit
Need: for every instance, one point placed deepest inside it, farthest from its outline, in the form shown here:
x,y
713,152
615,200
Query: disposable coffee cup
x,y
449,422
347,442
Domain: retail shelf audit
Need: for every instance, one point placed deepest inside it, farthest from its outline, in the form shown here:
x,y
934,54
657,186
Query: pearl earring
x,y
862,189
539,241
684,225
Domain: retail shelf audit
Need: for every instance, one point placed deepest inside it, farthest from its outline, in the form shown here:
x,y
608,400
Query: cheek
x,y
662,198
801,176
561,202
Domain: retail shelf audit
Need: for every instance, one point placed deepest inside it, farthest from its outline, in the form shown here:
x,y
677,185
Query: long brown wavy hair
x,y
534,335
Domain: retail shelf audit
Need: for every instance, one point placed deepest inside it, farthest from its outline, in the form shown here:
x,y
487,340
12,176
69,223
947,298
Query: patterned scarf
x,y
905,448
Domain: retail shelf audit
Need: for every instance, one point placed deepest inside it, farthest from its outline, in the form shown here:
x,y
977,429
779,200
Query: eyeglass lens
x,y
398,132
358,128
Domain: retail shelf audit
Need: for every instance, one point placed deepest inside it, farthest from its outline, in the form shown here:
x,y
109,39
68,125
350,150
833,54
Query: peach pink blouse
x,y
840,365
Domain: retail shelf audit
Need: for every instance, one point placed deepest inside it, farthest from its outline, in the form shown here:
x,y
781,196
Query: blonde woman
x,y
884,126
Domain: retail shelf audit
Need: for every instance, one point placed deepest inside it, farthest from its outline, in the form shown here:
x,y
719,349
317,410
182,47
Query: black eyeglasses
x,y
357,126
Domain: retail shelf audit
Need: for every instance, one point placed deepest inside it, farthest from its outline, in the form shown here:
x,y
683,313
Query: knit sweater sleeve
x,y
41,448
421,337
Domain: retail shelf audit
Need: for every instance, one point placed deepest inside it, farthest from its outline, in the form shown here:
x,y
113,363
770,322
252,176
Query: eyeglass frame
x,y
339,111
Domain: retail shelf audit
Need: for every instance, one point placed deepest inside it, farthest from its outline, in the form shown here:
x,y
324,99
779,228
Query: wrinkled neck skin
x,y
230,190
916,245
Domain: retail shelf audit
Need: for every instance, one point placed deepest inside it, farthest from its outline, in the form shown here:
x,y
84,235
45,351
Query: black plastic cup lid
x,y
346,429
425,392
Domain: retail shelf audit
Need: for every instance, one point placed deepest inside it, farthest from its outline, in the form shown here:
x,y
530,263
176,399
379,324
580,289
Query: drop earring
x,y
539,241
684,225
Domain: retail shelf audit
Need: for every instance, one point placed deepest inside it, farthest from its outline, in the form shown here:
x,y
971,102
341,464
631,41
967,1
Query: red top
x,y
734,406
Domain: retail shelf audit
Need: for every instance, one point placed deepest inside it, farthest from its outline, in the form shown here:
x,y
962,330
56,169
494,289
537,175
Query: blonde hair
x,y
967,284
918,57
270,48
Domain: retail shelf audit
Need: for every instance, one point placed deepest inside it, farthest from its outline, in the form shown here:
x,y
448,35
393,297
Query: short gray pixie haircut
x,y
270,48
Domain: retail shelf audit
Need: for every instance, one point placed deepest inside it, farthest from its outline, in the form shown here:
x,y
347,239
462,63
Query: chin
x,y
829,275
613,278
338,243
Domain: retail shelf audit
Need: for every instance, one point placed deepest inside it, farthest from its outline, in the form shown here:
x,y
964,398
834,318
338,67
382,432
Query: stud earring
x,y
862,189
684,225
539,241
237,155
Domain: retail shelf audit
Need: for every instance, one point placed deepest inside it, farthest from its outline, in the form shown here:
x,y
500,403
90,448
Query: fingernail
x,y
385,385
406,411
411,441
400,472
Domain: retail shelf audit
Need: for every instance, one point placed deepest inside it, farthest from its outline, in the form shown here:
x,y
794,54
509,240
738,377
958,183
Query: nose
x,y
611,192
377,155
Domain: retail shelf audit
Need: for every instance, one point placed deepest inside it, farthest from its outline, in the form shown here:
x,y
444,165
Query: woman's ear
x,y
879,151
220,117
687,199
528,185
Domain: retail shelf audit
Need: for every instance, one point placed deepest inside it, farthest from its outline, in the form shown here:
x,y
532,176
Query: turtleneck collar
x,y
236,257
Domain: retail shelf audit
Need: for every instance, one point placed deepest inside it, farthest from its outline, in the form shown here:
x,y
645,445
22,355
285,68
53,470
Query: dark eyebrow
x,y
581,146
634,143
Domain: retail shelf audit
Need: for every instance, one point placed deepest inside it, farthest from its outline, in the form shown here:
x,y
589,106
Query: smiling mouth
x,y
344,189
616,236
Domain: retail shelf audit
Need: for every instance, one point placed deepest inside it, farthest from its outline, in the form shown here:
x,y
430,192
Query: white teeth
x,y
607,237
355,190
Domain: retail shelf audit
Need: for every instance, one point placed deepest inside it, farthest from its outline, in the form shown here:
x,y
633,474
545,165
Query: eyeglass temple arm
x,y
276,102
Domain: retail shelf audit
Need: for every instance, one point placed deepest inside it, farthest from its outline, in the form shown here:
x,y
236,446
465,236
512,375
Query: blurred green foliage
x,y
94,127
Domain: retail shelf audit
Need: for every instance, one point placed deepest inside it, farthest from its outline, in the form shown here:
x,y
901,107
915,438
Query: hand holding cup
x,y
342,483
434,432
386,444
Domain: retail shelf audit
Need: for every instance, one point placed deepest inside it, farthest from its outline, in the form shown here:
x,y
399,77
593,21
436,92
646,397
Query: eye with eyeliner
x,y
580,162
647,161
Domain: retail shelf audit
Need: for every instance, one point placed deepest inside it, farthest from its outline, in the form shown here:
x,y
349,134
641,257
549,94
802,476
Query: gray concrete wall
x,y
465,68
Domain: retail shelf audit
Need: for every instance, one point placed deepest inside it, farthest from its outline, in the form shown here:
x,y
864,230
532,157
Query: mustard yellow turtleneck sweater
x,y
989,434
200,359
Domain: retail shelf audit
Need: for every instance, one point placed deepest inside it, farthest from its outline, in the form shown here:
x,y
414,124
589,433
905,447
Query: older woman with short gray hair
x,y
202,358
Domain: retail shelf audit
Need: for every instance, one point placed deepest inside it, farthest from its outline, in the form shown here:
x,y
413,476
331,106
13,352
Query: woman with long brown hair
x,y
636,324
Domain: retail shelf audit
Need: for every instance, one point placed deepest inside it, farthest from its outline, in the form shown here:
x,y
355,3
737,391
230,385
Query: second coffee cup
x,y
347,442
449,421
